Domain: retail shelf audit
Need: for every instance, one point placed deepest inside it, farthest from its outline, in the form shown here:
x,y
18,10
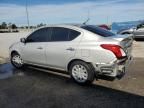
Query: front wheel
x,y
82,72
16,60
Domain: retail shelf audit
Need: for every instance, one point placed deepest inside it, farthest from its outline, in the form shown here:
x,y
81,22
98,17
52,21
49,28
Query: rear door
x,y
62,47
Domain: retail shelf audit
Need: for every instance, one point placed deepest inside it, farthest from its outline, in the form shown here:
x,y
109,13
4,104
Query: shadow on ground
x,y
31,88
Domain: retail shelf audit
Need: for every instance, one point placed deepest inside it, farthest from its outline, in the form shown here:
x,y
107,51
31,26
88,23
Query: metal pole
x,y
27,14
107,20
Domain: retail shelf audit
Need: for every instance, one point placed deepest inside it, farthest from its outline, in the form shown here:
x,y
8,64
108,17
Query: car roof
x,y
72,25
66,25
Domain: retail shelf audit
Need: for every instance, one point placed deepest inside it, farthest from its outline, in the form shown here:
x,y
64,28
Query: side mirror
x,y
23,40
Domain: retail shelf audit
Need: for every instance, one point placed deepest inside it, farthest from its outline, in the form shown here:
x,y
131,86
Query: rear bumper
x,y
117,68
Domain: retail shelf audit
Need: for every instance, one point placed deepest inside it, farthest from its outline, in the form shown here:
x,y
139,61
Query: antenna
x,y
88,17
27,14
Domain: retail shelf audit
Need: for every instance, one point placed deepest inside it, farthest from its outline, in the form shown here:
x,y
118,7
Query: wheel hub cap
x,y
17,60
79,73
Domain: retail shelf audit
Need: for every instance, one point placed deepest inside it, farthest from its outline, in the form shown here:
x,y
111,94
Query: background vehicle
x,y
85,51
137,31
116,27
136,28
104,26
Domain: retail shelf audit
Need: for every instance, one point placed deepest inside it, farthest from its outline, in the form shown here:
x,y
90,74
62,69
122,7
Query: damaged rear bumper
x,y
116,69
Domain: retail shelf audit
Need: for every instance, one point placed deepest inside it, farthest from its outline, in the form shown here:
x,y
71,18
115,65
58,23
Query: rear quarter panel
x,y
90,50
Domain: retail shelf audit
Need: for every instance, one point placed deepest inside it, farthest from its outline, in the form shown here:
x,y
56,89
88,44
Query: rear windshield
x,y
98,30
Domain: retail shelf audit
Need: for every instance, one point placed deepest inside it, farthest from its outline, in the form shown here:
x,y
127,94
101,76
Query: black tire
x,y
16,65
89,69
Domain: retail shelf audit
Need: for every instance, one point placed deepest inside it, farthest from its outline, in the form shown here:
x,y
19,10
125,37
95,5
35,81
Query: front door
x,y
33,50
34,53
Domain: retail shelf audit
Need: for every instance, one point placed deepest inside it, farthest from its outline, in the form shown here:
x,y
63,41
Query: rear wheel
x,y
81,72
16,60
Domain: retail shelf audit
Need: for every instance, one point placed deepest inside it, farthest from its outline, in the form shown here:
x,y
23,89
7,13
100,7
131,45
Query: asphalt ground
x,y
32,88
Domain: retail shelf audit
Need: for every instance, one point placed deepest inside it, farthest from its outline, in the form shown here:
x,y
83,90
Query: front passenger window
x,y
41,35
141,26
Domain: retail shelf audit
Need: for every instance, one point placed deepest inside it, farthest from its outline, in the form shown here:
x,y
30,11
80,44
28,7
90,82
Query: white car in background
x,y
85,51
138,31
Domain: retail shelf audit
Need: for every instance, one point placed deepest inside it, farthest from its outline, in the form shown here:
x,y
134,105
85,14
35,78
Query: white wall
x,y
6,39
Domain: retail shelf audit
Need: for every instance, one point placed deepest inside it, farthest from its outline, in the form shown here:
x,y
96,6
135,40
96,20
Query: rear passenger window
x,y
73,34
59,34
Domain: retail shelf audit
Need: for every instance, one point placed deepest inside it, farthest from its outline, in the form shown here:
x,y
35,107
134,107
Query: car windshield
x,y
98,30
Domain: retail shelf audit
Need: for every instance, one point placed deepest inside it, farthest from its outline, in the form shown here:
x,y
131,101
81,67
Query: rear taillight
x,y
116,49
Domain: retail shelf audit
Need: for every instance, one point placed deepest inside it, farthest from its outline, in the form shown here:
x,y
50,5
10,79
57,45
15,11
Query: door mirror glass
x,y
23,40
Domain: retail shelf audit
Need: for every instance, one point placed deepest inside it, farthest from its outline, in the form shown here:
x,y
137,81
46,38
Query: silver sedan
x,y
84,51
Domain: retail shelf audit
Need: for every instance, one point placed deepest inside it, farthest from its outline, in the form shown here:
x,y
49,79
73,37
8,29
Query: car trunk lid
x,y
126,42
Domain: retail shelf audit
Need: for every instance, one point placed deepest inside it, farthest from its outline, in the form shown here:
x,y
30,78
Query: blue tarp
x,y
118,26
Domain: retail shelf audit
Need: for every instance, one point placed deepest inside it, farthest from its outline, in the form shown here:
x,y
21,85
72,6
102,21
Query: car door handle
x,y
70,49
40,48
